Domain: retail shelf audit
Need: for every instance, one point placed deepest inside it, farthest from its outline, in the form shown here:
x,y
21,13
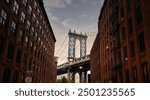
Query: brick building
x,y
124,37
95,61
26,42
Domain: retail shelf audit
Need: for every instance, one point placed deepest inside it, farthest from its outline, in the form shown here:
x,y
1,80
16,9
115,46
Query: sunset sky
x,y
79,15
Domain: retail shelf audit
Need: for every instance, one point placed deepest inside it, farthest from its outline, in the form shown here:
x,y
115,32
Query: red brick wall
x,y
37,55
107,56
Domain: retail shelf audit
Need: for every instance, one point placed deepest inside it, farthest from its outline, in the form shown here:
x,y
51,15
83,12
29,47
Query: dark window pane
x,y
129,5
6,75
10,52
125,54
130,27
132,47
1,45
127,76
16,77
138,16
123,33
145,72
141,42
13,28
135,76
3,17
18,58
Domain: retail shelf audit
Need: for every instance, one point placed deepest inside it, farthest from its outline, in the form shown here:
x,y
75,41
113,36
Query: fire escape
x,y
115,35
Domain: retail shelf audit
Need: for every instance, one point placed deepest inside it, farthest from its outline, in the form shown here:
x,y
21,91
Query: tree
x,y
63,80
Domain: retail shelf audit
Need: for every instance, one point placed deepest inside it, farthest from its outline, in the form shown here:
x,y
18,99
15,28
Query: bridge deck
x,y
75,65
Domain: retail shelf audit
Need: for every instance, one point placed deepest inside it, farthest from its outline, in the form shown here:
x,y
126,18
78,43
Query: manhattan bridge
x,y
74,65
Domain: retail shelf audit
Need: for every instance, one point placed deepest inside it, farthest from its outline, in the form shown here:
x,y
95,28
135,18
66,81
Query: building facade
x,y
27,43
124,41
95,61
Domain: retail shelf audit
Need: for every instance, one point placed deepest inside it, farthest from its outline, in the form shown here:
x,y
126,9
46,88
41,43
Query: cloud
x,y
68,1
92,17
85,1
57,3
69,23
52,17
92,2
82,16
86,17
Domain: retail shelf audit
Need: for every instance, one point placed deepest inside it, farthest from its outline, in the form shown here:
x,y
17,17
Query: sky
x,y
79,15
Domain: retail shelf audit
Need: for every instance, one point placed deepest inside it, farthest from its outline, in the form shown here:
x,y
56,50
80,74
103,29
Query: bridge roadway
x,y
76,66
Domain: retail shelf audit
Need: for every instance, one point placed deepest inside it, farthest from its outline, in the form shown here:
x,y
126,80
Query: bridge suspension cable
x,y
64,58
61,45
63,50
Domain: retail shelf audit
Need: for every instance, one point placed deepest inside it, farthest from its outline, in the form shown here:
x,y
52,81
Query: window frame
x,y
16,7
23,17
3,17
13,28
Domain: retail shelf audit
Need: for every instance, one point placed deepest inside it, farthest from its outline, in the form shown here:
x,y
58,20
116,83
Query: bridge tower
x,y
73,36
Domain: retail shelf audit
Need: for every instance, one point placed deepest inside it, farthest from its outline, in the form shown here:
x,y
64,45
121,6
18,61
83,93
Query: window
x,y
141,42
23,16
34,48
28,24
41,17
145,72
38,12
6,75
20,36
13,28
18,58
35,36
31,44
138,16
7,1
16,7
10,52
24,61
30,10
21,78
24,2
41,43
16,77
34,17
26,41
128,5
130,25
122,12
39,39
123,33
3,17
35,4
1,45
132,47
125,54
37,23
127,76
135,76
32,31
40,28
